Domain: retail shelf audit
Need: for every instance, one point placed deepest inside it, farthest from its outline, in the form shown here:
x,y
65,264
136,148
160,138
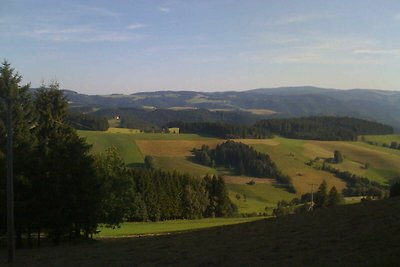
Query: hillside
x,y
377,105
354,235
173,152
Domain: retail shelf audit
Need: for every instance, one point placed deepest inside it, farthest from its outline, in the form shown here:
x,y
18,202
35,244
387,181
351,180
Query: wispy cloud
x,y
298,19
377,51
166,6
136,26
81,34
397,16
96,10
278,39
312,49
164,9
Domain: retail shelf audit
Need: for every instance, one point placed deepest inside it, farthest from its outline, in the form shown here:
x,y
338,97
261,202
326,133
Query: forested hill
x,y
156,118
376,105
324,128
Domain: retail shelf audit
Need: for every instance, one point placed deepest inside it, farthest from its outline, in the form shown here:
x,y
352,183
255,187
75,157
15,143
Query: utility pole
x,y
10,185
312,197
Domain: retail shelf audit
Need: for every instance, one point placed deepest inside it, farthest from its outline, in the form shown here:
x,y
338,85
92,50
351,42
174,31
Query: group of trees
x,y
322,199
144,194
54,179
324,128
244,159
221,130
64,191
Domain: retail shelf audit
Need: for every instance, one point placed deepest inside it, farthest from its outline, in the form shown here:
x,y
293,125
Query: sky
x,y
122,46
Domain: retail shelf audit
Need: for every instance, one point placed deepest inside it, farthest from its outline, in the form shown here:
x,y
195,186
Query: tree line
x,y
221,130
63,191
244,159
324,128
321,199
391,145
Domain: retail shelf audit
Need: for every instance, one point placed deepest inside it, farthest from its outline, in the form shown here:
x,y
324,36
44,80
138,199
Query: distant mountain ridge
x,y
377,105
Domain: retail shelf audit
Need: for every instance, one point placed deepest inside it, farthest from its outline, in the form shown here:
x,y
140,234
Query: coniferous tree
x,y
337,157
65,179
17,98
334,197
149,162
321,198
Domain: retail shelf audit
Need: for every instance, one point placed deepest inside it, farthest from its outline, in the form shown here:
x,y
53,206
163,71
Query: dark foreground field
x,y
366,234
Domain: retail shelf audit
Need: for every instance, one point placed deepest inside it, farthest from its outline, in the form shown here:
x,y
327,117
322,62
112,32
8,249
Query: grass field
x,y
126,146
151,228
257,197
365,234
381,139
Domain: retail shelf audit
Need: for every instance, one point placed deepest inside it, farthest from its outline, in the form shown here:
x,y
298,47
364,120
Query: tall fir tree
x,y
321,198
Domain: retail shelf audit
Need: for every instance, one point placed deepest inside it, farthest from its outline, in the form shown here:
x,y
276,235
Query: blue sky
x,y
102,47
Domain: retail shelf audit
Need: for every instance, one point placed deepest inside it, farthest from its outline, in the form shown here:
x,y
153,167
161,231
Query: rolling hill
x,y
377,105
173,152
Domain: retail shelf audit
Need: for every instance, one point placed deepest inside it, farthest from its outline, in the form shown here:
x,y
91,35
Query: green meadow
x,y
166,227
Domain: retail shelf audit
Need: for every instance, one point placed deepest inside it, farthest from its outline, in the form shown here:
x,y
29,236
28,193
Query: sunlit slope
x,y
124,144
258,198
290,158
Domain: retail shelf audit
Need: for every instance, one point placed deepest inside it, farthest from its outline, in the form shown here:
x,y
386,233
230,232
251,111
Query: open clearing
x,y
365,234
